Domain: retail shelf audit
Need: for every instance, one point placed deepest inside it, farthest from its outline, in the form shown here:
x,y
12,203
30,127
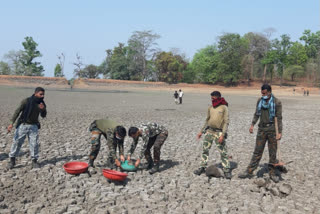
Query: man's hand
x,y
251,129
128,158
199,135
278,137
10,128
137,163
118,164
122,158
41,106
221,138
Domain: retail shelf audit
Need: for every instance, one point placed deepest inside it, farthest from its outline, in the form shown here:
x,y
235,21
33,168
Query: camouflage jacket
x,y
148,130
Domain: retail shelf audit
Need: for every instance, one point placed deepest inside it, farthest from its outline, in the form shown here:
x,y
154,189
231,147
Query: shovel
x,y
280,163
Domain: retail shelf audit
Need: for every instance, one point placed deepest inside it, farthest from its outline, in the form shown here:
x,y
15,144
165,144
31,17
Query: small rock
x,y
275,191
285,189
260,182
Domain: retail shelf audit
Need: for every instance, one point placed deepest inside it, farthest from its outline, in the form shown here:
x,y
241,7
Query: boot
x,y
12,163
199,171
245,174
35,164
91,163
154,169
150,165
228,175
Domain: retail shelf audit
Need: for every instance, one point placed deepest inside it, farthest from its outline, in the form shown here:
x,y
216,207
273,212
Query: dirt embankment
x,y
32,81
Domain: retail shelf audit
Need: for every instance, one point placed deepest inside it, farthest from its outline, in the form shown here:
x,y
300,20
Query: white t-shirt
x,y
180,93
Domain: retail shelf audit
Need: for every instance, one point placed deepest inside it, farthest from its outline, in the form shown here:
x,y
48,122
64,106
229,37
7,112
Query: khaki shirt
x,y
217,118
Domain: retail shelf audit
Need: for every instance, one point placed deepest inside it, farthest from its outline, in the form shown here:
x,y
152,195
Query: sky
x,y
89,28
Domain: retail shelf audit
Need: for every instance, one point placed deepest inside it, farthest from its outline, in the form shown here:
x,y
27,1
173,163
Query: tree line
x,y
233,58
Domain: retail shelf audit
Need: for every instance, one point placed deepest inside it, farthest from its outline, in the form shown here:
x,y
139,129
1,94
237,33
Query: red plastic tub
x,y
75,167
114,175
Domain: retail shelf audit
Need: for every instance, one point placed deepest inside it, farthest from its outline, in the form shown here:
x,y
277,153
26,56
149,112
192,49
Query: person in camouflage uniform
x,y
114,134
268,107
215,130
152,134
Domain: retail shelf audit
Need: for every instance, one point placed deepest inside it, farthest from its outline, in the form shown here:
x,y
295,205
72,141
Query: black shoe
x,y
245,174
12,163
91,163
275,178
150,165
35,164
199,171
154,169
228,175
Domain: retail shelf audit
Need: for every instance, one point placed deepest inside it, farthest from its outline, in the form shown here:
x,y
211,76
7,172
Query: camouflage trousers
x,y
157,142
262,138
209,138
95,145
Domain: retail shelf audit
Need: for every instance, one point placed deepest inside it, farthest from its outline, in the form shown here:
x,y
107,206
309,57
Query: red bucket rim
x,y
114,172
83,164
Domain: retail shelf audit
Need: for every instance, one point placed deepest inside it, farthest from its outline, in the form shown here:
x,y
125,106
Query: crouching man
x,y
152,134
28,126
114,134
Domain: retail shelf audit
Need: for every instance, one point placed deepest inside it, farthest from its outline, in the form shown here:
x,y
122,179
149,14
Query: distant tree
x,y
203,67
58,71
247,67
312,43
297,54
118,63
4,68
28,55
231,49
79,65
169,67
294,71
142,47
91,72
282,47
15,62
258,45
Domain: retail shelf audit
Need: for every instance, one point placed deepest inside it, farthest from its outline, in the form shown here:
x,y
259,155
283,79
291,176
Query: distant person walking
x,y
28,126
307,92
176,96
180,96
304,92
294,90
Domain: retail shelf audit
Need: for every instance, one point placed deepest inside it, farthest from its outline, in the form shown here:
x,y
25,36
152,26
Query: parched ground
x,y
64,137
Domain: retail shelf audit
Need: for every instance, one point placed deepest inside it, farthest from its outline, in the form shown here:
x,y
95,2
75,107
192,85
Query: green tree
x,y
142,48
312,43
293,71
58,71
29,54
231,49
118,63
90,71
282,47
203,67
169,67
4,68
297,54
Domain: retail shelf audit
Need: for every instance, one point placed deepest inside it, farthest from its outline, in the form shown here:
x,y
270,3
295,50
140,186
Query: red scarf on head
x,y
219,101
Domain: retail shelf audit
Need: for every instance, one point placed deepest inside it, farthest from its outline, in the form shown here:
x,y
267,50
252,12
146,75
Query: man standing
x,y
180,96
268,107
215,130
28,125
176,96
152,134
114,134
